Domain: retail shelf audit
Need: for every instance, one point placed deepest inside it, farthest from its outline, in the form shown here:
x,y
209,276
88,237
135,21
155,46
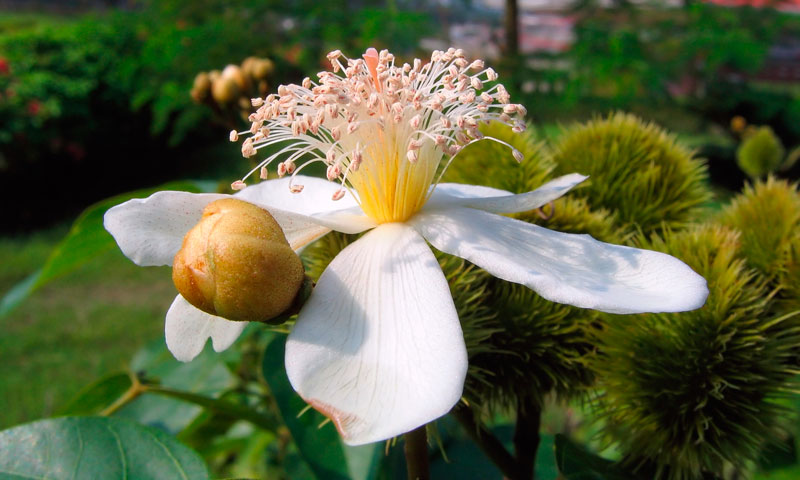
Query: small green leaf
x,y
576,463
320,447
86,239
98,395
94,447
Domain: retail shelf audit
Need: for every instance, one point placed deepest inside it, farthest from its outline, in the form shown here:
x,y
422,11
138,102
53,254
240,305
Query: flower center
x,y
390,188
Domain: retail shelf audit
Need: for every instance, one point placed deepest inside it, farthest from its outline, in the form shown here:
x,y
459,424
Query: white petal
x,y
566,268
188,328
150,230
314,203
378,346
500,201
314,198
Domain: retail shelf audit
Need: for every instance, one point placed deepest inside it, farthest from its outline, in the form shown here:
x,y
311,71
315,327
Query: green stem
x,y
416,450
225,407
130,395
526,436
487,442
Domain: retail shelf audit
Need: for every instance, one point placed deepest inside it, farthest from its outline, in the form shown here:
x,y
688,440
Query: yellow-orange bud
x,y
236,263
224,90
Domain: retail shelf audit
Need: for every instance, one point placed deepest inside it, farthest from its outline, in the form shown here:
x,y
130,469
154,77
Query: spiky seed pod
x,y
760,153
768,216
524,347
689,393
491,163
636,170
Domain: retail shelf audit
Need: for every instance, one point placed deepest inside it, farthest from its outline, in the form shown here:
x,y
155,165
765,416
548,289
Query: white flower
x,y
378,346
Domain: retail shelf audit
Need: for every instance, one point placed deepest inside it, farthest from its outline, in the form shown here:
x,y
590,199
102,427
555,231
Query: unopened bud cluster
x,y
232,87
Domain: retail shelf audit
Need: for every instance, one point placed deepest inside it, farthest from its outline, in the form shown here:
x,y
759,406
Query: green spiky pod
x,y
686,394
760,153
768,216
491,163
636,170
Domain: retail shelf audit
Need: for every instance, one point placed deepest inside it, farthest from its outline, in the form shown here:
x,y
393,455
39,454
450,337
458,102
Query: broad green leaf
x,y
97,396
576,463
92,448
86,239
320,447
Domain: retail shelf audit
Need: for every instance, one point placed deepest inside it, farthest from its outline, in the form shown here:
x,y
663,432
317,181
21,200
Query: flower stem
x,y
488,443
526,436
416,450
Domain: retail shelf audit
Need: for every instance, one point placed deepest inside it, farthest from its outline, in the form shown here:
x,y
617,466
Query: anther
x,y
238,185
247,148
333,172
234,136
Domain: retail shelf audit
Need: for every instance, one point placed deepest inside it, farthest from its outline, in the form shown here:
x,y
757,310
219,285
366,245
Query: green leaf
x,y
576,463
95,397
86,239
206,375
320,447
94,447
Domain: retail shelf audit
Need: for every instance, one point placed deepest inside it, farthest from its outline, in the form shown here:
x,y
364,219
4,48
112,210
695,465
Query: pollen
x,y
386,132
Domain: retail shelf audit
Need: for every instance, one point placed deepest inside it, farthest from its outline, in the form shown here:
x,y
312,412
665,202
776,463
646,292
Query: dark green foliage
x,y
636,170
689,393
760,153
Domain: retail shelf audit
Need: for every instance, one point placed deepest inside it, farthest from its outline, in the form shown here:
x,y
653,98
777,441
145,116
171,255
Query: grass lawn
x,y
77,328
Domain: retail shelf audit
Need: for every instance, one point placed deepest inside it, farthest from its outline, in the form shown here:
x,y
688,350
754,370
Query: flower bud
x,y
236,263
224,90
201,87
263,68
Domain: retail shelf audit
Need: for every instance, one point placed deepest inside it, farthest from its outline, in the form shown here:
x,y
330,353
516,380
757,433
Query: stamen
x,y
385,131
